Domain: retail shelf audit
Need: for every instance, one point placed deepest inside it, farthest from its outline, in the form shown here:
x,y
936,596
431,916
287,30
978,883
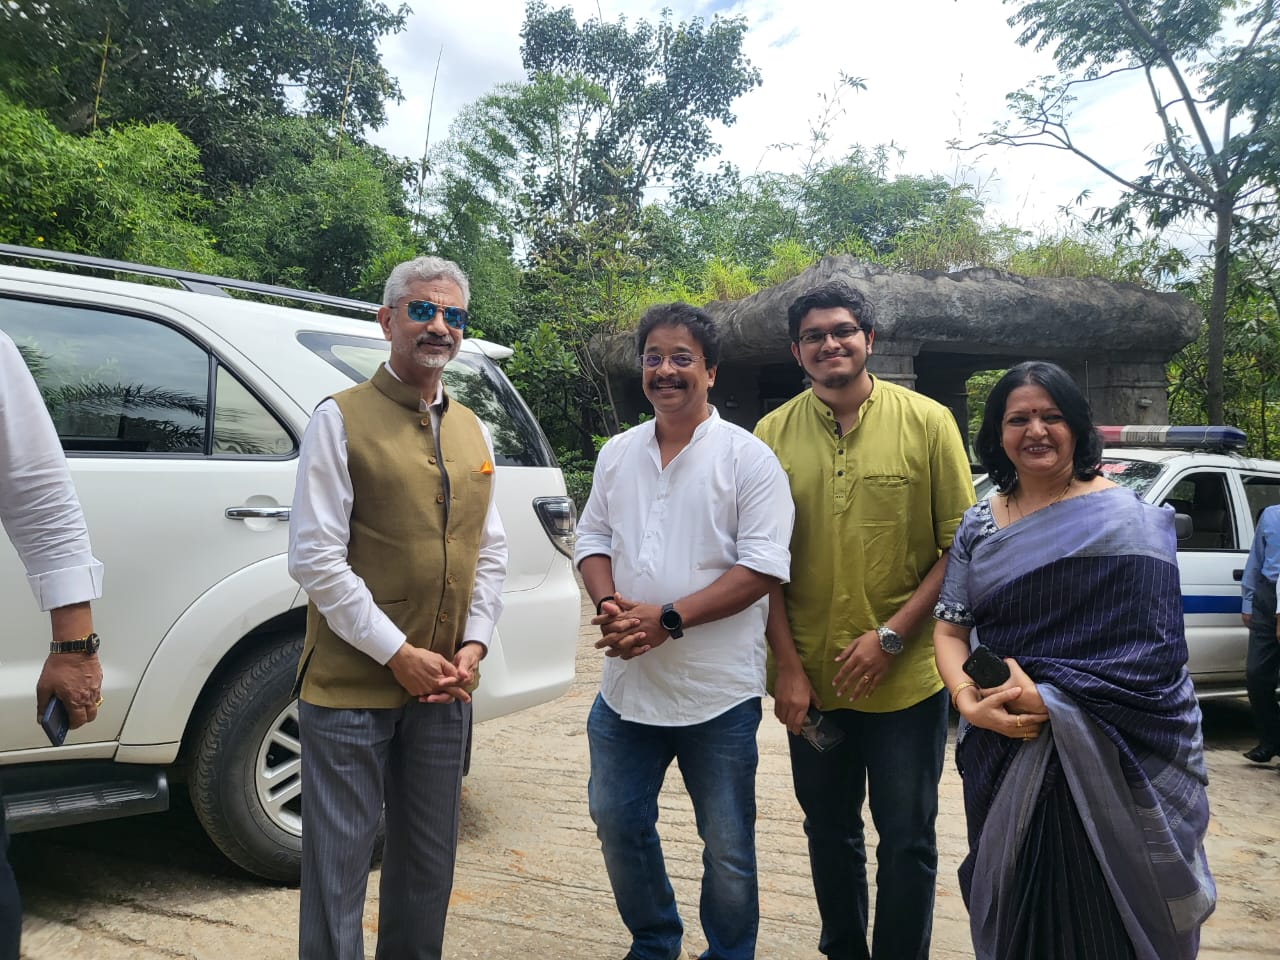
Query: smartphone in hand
x,y
985,668
55,721
821,733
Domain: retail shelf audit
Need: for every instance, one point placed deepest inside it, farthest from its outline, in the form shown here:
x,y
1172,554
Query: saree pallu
x,y
1085,595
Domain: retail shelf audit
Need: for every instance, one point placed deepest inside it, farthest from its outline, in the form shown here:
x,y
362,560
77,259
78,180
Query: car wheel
x,y
246,770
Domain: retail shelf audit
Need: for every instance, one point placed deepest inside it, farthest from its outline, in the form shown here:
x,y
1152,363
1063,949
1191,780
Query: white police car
x,y
1200,473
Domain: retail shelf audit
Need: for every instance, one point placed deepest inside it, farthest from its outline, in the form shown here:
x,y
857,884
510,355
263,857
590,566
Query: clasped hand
x,y
432,677
628,629
1014,709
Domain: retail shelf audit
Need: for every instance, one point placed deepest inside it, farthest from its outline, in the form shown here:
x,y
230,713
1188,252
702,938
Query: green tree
x,y
129,193
212,68
1212,81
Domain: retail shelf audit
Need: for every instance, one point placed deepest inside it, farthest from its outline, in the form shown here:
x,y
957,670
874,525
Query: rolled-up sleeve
x,y
595,532
766,515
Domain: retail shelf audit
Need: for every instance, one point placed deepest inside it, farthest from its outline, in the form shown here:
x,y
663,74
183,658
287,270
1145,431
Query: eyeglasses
x,y
680,360
840,334
424,311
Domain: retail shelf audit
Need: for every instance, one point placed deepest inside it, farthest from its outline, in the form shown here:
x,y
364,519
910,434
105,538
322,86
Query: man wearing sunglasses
x,y
684,533
395,537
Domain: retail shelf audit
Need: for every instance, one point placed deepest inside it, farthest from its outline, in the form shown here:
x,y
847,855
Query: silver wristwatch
x,y
890,640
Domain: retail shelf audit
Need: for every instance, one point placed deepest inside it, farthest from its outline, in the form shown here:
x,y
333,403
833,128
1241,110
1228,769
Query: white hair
x,y
424,268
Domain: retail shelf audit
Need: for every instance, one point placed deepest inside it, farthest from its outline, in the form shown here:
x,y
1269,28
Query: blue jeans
x,y
718,762
896,759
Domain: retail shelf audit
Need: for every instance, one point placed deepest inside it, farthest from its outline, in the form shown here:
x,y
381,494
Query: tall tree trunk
x,y
1218,310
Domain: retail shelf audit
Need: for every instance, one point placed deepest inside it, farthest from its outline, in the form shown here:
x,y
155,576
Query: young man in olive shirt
x,y
880,480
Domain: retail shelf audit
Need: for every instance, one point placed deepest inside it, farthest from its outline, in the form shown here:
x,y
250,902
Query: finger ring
x,y
864,678
97,703
1017,721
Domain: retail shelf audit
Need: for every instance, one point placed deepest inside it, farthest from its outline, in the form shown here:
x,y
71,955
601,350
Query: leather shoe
x,y
1260,754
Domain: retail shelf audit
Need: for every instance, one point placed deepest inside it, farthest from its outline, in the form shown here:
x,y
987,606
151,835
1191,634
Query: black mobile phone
x,y
986,669
821,733
55,722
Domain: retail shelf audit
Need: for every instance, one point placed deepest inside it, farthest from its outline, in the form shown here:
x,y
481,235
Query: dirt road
x,y
530,881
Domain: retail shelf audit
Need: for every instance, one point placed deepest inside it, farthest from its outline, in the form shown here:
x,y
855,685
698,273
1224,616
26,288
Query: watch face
x,y
890,642
670,620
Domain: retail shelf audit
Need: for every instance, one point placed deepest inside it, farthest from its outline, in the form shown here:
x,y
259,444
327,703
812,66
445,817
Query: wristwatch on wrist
x,y
600,602
87,644
890,640
671,621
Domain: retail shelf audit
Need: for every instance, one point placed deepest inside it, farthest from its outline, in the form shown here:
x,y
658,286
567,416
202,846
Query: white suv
x,y
181,412
1217,495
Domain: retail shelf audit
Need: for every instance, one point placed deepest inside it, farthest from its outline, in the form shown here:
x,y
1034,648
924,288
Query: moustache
x,y
427,338
680,384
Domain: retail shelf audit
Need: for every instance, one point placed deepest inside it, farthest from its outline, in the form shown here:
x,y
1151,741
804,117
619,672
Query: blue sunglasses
x,y
424,311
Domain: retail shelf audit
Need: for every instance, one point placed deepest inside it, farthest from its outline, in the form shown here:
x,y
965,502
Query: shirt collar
x,y
398,393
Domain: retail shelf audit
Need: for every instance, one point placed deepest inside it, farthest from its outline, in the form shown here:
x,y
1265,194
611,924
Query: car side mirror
x,y
1183,526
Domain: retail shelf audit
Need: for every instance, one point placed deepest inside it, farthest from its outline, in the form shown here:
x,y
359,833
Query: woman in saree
x,y
1084,778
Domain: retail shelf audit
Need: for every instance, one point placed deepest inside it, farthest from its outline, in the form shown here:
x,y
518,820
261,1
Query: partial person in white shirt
x,y
43,519
686,530
396,539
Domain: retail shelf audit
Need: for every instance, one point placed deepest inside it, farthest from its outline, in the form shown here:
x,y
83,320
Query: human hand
x,y
792,697
1028,701
76,680
863,664
991,712
629,629
426,674
466,661
1246,619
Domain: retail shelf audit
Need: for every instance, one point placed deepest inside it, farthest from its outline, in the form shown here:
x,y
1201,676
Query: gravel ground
x,y
530,881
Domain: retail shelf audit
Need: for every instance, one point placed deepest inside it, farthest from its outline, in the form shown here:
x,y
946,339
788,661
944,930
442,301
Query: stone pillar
x,y
894,360
1123,392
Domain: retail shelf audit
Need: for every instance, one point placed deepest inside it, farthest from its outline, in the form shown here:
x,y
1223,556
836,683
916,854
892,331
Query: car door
x,y
1208,560
162,436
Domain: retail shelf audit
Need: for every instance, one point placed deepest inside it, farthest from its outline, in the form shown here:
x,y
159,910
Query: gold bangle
x,y
956,692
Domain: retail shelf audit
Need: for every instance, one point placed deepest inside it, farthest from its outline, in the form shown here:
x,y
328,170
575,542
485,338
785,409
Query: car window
x,y
119,383
1261,492
242,426
1204,498
1136,475
473,380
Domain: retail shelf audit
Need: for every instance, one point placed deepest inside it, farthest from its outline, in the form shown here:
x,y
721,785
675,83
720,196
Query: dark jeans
x,y
1262,667
718,761
10,902
895,759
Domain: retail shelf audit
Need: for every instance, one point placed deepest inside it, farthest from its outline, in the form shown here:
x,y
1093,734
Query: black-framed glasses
x,y
842,333
680,360
424,311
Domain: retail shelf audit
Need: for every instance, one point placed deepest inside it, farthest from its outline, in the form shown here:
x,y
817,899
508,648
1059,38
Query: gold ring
x,y
864,678
98,702
1017,720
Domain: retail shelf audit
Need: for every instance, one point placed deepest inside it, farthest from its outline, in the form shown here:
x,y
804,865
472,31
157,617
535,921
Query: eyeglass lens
x,y
424,311
681,360
847,332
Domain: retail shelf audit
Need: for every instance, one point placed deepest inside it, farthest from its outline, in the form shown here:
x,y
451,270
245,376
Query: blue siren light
x,y
1179,438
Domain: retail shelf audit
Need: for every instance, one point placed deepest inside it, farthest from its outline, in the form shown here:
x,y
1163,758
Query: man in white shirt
x,y
686,529
43,519
395,537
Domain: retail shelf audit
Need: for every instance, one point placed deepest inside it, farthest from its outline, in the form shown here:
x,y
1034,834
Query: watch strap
x,y
85,644
600,602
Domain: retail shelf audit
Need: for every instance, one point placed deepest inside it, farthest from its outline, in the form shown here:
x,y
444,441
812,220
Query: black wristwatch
x,y
87,644
600,602
671,621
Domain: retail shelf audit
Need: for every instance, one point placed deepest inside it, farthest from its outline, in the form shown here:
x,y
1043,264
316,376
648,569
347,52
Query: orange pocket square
x,y
486,468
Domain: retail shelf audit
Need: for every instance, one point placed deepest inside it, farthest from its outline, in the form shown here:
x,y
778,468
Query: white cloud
x,y
936,70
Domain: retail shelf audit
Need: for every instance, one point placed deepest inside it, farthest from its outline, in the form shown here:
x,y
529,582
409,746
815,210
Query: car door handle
x,y
258,513
1237,575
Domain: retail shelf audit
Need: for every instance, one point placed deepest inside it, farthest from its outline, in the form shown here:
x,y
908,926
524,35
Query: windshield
x,y
1137,475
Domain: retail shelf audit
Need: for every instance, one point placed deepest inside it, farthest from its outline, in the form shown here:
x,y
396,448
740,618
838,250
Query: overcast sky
x,y
935,70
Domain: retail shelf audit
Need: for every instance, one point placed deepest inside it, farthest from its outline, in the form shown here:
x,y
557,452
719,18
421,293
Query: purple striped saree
x,y
1088,840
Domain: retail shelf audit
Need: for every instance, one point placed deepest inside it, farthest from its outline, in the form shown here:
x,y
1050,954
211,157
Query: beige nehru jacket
x,y
414,540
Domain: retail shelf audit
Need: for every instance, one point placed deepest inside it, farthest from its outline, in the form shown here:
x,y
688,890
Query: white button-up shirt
x,y
38,503
723,501
320,528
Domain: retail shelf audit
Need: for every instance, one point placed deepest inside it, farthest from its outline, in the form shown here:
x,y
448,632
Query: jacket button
x,y
431,459
451,579
426,421
444,617
439,498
